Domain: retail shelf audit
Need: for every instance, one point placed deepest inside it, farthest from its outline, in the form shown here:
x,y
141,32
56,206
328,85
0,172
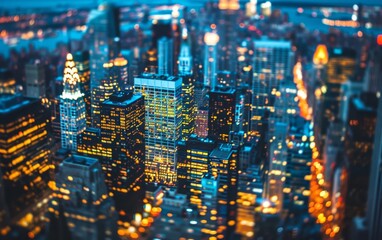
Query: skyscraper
x,y
192,165
165,56
103,30
223,164
210,59
108,86
35,79
221,113
81,60
272,63
188,106
72,106
123,140
210,186
185,58
163,104
122,70
82,195
227,25
24,154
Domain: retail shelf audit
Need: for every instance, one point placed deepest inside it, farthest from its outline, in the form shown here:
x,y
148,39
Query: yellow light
x,y
321,55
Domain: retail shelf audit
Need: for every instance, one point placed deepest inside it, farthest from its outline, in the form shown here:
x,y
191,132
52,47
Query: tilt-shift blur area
x,y
190,120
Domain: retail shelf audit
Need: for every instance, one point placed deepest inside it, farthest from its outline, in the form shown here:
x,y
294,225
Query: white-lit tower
x,y
210,59
72,106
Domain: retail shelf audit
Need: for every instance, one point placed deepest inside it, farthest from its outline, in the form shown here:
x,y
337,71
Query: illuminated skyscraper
x,y
339,70
122,71
185,57
72,106
35,80
108,86
192,165
201,122
24,154
297,183
221,113
227,29
210,59
250,189
163,103
103,29
81,59
209,222
165,56
122,140
188,106
82,195
272,63
223,164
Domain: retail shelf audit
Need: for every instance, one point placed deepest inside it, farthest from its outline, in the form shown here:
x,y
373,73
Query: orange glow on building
x,y
229,5
379,39
321,55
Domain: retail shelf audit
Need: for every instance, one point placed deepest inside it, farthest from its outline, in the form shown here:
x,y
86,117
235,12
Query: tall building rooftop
x,y
11,103
80,161
224,151
122,98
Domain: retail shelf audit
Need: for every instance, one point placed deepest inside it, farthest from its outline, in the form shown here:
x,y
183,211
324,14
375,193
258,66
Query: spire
x,y
71,79
185,58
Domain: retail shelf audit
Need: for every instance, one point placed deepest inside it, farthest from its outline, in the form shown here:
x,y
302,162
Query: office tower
x,y
339,70
359,142
108,86
201,122
150,61
374,204
227,26
7,82
123,140
163,103
35,80
192,165
334,145
89,142
82,195
185,57
81,60
272,63
210,59
277,164
103,30
299,156
24,154
223,164
165,56
221,113
250,189
72,106
122,71
209,222
188,106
